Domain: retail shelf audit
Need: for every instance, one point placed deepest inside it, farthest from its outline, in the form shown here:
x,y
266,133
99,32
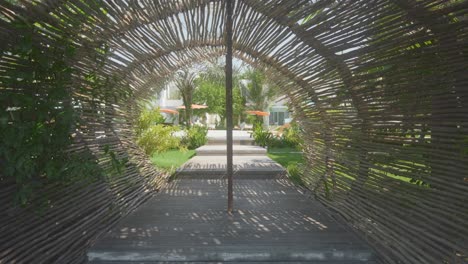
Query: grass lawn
x,y
172,158
288,158
285,156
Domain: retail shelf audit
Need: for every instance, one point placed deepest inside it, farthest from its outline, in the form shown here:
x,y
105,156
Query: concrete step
x,y
203,254
239,150
218,137
222,141
241,174
231,262
245,167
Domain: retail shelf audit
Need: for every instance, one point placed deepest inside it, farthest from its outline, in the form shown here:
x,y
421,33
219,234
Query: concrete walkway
x,y
187,221
249,161
245,167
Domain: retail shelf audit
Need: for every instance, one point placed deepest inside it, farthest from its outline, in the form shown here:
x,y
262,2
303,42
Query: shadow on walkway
x,y
187,222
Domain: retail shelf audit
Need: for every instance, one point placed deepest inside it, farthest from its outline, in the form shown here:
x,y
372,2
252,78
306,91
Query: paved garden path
x,y
273,222
249,161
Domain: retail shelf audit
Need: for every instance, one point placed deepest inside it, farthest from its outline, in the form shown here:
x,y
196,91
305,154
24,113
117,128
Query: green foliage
x,y
291,160
295,172
117,165
148,118
185,83
158,138
251,119
285,156
211,91
212,94
195,137
38,116
257,89
291,136
261,137
277,142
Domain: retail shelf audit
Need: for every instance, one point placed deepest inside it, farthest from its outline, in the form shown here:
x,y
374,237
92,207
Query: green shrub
x,y
195,137
261,137
38,119
148,118
277,142
295,171
158,138
291,136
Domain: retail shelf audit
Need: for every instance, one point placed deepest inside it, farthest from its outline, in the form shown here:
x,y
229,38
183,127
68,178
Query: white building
x,y
169,98
279,113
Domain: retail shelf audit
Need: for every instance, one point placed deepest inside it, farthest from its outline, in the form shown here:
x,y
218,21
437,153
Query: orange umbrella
x,y
169,111
259,113
194,106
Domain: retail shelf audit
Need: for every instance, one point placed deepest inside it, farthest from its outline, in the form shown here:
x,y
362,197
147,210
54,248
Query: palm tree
x,y
211,89
257,91
185,82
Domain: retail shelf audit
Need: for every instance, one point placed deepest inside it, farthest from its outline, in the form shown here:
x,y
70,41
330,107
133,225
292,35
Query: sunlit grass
x,y
172,159
289,158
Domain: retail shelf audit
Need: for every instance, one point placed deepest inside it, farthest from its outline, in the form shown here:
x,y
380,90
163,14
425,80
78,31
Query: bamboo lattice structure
x,y
379,87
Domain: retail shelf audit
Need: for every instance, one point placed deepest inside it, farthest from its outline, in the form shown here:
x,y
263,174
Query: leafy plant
x,y
195,137
211,91
258,90
185,82
158,138
261,137
148,118
38,116
277,142
295,171
291,136
117,165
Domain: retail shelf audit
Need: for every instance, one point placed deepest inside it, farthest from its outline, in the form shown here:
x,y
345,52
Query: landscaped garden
x,y
172,159
168,146
284,147
170,136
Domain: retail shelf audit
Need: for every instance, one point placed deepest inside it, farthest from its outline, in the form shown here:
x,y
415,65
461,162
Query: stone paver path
x,y
188,222
273,222
249,161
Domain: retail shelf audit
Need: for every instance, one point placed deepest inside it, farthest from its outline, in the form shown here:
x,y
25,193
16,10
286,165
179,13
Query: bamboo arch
x,y
380,87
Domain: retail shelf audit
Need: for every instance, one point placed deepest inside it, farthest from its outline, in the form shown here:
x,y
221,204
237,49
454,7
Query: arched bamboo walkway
x,y
380,87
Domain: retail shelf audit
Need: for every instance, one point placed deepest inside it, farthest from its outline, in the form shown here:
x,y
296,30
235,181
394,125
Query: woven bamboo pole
x,y
229,113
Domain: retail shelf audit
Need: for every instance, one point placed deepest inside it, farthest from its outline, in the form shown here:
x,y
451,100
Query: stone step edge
x,y
241,174
235,142
361,255
235,151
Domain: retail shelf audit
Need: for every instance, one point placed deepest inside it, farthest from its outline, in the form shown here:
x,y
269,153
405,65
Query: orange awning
x,y
169,111
194,106
259,113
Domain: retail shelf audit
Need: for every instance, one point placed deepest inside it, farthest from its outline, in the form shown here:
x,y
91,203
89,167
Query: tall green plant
x,y
258,91
261,137
185,83
211,91
148,118
292,136
157,139
38,116
195,137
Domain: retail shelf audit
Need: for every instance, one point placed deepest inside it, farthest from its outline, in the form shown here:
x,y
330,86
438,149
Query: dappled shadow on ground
x,y
253,163
188,221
